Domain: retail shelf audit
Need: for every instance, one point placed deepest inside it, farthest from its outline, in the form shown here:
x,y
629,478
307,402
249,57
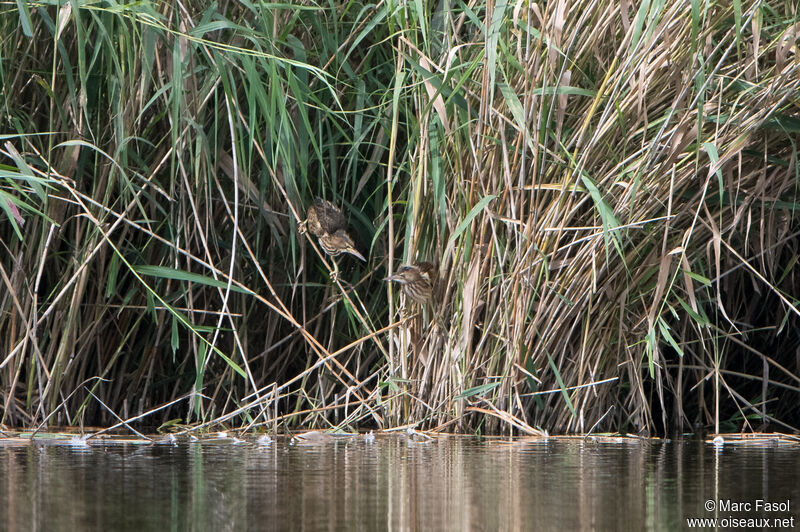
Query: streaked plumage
x,y
326,221
338,243
417,281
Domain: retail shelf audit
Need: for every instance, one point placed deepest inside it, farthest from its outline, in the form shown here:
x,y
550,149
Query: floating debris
x,y
313,436
417,437
79,441
760,439
719,441
264,440
222,435
369,437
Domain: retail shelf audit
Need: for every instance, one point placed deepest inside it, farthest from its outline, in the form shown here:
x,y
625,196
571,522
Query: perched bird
x,y
325,221
416,280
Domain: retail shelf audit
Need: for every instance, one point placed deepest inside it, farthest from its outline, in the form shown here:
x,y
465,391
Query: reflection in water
x,y
393,483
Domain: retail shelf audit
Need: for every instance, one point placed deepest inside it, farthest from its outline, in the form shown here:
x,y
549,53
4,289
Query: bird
x,y
326,221
418,284
416,281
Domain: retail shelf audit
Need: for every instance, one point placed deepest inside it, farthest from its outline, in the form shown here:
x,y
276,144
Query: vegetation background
x,y
608,188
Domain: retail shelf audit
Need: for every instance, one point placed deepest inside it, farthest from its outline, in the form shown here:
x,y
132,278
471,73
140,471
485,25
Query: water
x,y
393,483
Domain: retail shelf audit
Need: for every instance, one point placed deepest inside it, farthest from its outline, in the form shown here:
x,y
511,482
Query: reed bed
x,y
609,191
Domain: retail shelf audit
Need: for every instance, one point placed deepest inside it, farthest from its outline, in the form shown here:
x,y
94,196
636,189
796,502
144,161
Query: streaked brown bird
x,y
326,221
416,280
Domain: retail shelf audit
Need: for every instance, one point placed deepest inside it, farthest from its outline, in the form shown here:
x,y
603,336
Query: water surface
x,y
392,483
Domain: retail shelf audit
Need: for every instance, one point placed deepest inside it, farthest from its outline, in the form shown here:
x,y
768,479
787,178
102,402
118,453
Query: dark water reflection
x,y
390,484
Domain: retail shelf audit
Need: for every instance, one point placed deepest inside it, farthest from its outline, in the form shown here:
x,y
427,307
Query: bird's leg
x,y
335,272
409,311
403,313
302,227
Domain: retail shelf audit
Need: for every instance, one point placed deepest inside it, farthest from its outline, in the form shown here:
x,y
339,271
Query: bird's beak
x,y
356,254
392,278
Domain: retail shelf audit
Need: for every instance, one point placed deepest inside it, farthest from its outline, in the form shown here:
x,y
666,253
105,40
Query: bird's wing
x,y
426,269
332,218
313,220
